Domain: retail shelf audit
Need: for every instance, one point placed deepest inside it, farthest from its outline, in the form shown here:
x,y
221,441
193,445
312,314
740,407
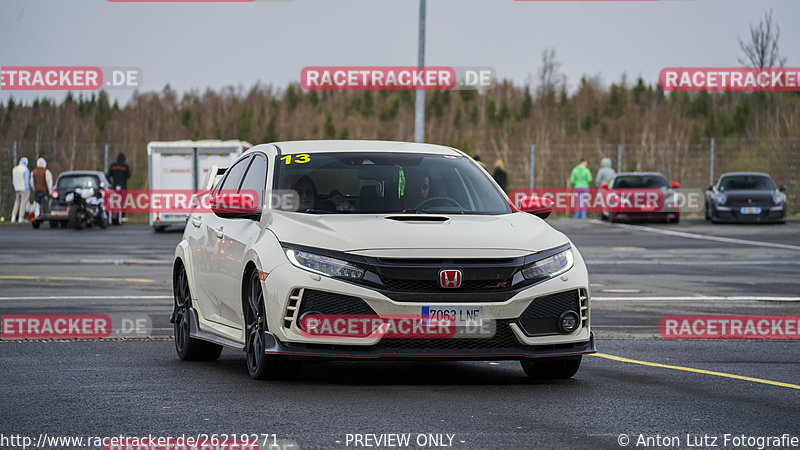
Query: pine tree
x,y
527,104
292,97
329,129
271,135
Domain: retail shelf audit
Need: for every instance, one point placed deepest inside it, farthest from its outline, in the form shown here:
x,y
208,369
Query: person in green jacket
x,y
580,178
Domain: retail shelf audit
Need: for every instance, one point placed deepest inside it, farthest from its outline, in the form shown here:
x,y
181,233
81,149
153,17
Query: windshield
x,y
347,183
77,181
746,183
640,182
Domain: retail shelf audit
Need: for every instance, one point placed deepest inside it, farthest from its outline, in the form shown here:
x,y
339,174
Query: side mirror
x,y
539,206
675,185
237,205
604,186
782,188
710,187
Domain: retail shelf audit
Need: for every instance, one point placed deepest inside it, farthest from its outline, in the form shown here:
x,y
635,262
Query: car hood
x,y
742,196
416,235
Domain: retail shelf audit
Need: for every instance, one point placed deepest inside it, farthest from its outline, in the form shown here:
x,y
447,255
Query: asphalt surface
x,y
136,385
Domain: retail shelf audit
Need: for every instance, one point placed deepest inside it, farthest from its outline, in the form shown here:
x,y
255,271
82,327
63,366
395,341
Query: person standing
x,y
119,172
580,178
605,173
20,177
42,181
500,175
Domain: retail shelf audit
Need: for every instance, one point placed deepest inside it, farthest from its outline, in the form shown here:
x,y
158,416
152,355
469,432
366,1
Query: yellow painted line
x,y
33,277
689,369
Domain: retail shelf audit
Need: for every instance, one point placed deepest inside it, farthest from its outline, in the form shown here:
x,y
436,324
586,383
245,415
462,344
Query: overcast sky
x,y
200,45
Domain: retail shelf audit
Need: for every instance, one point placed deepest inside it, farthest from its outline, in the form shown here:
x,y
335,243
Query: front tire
x,y
102,220
551,368
77,218
187,347
260,365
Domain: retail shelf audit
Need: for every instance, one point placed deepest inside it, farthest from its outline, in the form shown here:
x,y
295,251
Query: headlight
x,y
550,267
721,198
670,199
778,198
69,197
323,265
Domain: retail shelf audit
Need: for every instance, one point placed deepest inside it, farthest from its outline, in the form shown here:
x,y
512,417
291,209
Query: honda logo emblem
x,y
450,278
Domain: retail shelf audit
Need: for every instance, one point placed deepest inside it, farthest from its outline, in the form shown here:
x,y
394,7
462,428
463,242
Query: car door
x,y
238,236
211,227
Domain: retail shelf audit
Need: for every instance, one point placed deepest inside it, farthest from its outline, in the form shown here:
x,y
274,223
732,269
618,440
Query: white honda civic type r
x,y
372,249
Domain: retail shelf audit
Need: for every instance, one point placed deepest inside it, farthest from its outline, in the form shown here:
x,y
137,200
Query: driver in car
x,y
418,191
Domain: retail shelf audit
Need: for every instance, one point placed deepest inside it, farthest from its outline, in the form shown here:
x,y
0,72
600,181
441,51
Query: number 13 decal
x,y
301,158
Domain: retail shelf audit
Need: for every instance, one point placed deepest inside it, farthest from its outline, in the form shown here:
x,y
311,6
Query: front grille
x,y
400,285
503,338
322,302
541,316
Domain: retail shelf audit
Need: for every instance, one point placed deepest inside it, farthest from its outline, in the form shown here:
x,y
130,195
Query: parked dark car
x,y
666,212
746,197
77,201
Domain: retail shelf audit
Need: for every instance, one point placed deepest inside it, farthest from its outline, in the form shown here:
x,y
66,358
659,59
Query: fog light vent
x,y
569,321
291,308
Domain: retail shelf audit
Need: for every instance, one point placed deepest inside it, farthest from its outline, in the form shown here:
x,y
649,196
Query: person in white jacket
x,y
20,177
605,174
42,181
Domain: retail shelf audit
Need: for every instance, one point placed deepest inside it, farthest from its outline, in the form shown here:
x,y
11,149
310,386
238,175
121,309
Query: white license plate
x,y
459,315
750,210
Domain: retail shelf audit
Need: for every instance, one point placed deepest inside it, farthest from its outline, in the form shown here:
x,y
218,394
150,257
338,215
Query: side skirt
x,y
196,333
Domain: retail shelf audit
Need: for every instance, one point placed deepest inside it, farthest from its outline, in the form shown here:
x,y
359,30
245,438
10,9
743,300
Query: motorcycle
x,y
85,206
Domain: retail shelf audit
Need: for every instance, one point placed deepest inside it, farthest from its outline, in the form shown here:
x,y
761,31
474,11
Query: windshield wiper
x,y
411,211
319,211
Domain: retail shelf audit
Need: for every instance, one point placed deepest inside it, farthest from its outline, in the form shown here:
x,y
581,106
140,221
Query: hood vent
x,y
419,218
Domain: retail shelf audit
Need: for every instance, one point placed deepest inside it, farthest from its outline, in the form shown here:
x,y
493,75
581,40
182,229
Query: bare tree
x,y
549,77
761,51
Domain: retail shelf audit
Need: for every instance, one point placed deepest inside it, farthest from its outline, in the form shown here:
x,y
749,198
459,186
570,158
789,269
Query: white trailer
x,y
185,165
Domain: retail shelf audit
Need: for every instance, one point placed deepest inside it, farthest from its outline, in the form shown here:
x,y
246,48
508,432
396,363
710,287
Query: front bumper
x,y
769,214
286,288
